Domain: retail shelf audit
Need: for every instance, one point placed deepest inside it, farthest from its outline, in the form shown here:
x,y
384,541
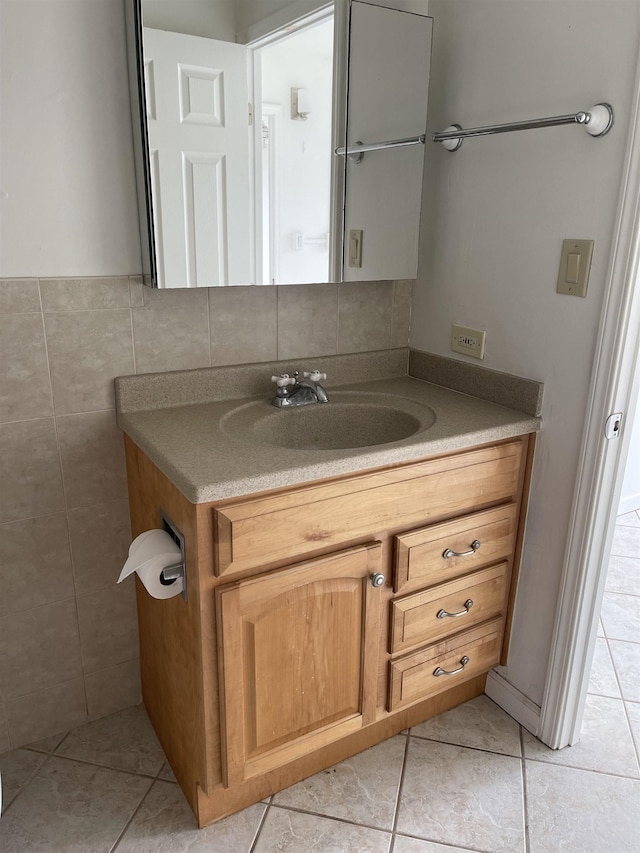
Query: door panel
x,y
297,649
197,113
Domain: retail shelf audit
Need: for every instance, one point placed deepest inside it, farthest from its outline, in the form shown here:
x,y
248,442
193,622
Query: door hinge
x,y
250,114
612,425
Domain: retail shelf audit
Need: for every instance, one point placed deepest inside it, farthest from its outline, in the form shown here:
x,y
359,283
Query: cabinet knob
x,y
377,579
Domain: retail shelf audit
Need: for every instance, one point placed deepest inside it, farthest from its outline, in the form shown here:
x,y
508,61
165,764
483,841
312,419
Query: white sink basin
x,y
350,420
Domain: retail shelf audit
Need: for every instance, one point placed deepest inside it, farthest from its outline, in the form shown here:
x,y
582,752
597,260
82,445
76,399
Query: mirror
x,y
241,105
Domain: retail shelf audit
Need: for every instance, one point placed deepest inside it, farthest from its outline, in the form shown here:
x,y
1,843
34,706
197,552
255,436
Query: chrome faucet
x,y
293,391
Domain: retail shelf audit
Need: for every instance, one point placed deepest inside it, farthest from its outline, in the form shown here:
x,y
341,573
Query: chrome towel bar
x,y
355,151
597,121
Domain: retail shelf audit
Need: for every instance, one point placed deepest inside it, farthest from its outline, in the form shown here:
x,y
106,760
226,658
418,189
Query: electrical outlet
x,y
468,341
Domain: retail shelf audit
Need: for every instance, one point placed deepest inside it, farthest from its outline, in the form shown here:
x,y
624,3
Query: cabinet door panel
x,y
296,658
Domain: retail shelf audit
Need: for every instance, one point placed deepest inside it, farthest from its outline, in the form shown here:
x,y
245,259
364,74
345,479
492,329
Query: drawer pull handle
x,y
443,614
474,547
440,671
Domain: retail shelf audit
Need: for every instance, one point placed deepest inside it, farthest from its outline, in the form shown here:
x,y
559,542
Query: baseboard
x,y
515,703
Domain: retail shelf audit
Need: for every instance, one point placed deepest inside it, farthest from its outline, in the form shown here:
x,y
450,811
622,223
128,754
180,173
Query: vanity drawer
x,y
445,664
422,558
450,607
252,532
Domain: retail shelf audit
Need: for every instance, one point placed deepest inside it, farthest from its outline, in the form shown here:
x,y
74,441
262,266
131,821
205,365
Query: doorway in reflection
x,y
240,145
293,78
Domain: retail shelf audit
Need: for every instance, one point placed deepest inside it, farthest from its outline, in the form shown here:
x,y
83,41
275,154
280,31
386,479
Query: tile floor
x,y
469,780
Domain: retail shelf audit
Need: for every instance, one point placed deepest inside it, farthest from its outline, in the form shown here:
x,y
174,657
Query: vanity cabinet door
x,y
298,659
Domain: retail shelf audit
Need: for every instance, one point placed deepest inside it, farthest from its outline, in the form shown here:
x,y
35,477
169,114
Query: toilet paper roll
x,y
149,554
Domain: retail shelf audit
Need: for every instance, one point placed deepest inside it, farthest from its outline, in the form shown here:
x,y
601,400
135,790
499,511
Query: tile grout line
x,y
636,747
578,767
131,819
133,333
86,763
466,746
525,801
396,810
26,784
209,310
261,824
66,508
299,810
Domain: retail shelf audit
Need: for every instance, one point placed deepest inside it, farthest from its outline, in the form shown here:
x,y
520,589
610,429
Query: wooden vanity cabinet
x,y
323,618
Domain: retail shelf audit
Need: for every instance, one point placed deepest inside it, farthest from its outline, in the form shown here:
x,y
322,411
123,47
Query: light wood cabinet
x,y
324,618
302,644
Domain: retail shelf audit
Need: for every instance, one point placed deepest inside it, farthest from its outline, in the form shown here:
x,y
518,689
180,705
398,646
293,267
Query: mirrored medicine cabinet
x,y
239,108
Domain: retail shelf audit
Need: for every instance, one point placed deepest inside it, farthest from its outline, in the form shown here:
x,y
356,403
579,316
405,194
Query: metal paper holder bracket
x,y
170,574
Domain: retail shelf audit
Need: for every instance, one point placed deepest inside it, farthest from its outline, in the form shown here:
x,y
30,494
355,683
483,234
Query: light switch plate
x,y
575,263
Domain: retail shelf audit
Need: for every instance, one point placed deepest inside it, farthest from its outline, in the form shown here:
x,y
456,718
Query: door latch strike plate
x,y
612,425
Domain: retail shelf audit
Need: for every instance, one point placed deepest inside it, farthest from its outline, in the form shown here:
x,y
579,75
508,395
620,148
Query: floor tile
x,y
17,767
621,616
292,832
462,796
479,723
633,714
124,741
165,822
602,681
626,542
629,519
47,744
600,631
623,575
626,660
71,807
605,741
167,773
578,811
362,789
416,845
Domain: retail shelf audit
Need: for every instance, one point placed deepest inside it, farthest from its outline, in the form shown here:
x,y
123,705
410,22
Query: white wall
x,y
252,12
496,214
67,185
214,19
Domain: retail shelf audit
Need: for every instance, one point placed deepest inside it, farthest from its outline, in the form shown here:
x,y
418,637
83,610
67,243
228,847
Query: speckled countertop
x,y
210,451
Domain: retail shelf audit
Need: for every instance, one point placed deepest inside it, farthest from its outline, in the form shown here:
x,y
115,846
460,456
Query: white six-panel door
x,y
197,112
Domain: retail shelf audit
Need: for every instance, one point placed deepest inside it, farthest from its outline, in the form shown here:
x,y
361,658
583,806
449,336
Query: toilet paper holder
x,y
170,574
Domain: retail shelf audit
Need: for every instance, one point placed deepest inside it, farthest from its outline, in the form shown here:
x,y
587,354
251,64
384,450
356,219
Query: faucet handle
x,y
315,375
284,380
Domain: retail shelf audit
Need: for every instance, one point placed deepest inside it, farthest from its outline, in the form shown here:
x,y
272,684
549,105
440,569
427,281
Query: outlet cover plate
x,y
468,341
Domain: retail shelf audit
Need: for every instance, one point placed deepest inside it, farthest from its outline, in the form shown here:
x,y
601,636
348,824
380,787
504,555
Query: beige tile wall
x,y
69,639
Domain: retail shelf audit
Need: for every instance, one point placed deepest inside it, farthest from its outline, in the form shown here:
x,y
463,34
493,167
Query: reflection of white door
x,y
197,111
